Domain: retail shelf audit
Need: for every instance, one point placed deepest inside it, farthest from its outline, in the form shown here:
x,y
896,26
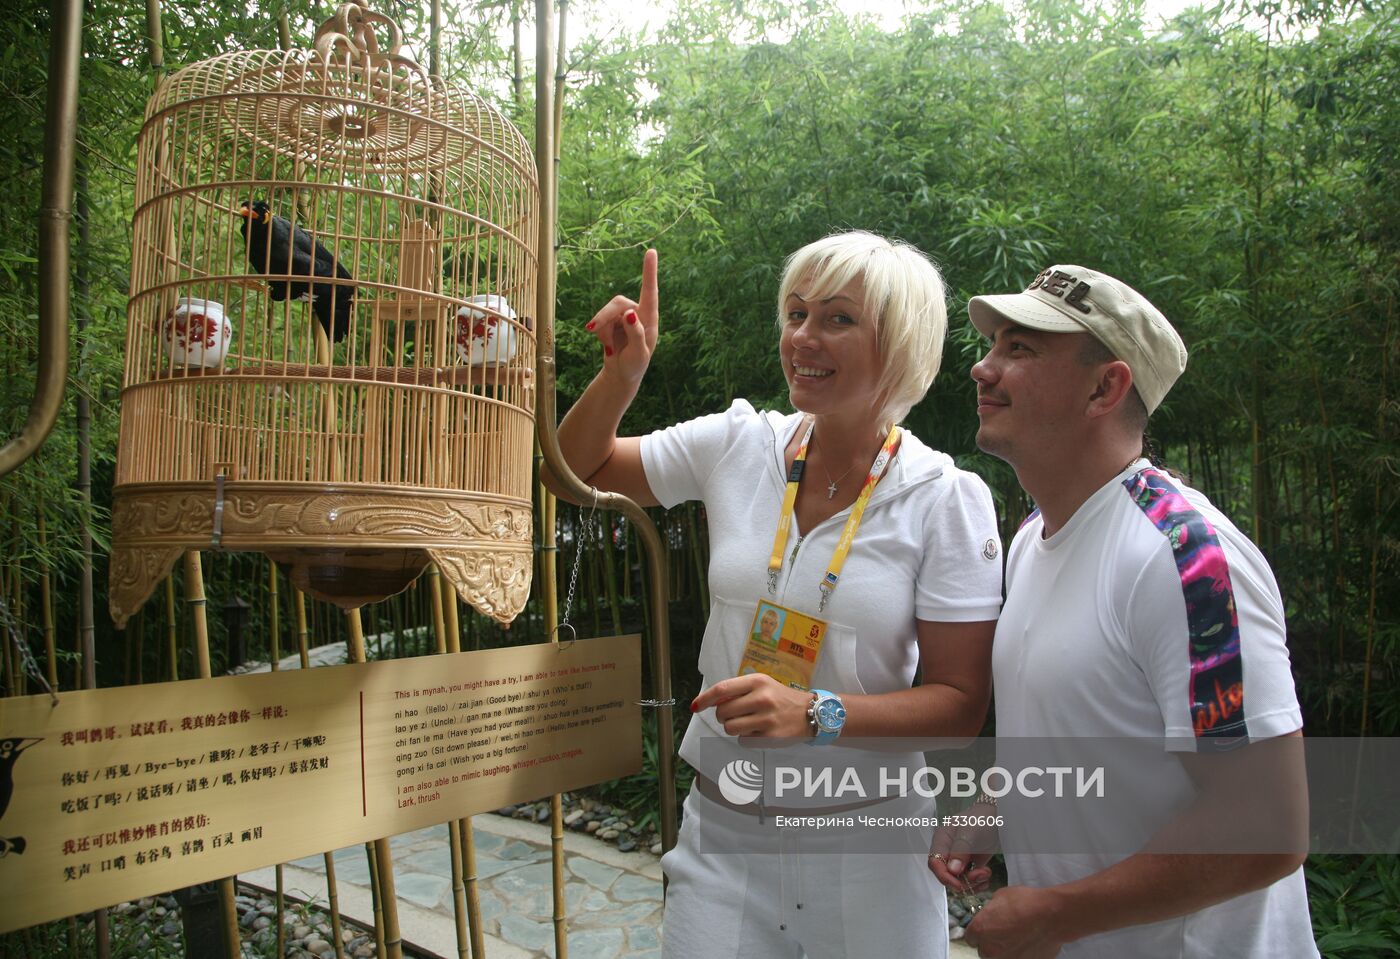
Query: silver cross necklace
x,y
831,483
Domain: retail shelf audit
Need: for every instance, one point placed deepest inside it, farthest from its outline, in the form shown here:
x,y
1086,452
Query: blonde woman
x,y
915,587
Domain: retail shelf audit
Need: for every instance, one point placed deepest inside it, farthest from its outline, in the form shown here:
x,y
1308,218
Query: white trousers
x,y
744,889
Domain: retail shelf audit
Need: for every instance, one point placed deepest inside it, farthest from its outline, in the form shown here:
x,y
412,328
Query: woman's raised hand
x,y
626,328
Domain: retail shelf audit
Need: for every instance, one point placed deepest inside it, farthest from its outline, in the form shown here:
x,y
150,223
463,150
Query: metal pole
x,y
546,426
55,214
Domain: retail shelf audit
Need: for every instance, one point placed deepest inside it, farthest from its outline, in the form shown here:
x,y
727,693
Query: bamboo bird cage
x,y
385,423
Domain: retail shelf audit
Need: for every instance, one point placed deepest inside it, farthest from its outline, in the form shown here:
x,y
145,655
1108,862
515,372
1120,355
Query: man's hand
x,y
1015,924
757,705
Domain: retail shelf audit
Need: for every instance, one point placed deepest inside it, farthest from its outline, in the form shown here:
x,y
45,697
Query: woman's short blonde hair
x,y
904,295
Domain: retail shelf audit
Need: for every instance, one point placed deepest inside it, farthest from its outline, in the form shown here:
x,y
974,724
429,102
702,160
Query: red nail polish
x,y
631,316
694,708
607,351
591,324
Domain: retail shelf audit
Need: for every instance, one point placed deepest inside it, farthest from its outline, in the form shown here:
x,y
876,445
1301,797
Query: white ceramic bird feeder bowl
x,y
197,333
484,335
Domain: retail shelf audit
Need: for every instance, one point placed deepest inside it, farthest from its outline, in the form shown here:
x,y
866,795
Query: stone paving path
x,y
613,898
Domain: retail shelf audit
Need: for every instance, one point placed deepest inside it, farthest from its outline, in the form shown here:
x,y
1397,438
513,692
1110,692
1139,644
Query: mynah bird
x,y
277,246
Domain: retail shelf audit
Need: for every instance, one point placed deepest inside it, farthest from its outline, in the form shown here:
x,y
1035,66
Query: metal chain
x,y
31,668
584,535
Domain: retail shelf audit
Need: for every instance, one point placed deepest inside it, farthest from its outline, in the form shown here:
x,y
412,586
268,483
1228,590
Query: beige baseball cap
x,y
1074,299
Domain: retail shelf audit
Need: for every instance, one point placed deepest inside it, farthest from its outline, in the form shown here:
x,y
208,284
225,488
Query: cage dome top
x,y
345,100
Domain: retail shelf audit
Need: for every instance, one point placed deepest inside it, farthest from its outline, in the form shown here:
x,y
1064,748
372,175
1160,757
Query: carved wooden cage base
x,y
347,546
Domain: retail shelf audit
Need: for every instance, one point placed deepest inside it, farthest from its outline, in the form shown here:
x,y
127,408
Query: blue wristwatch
x,y
827,715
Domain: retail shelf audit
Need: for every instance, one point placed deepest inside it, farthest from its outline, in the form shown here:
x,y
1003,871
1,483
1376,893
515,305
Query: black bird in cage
x,y
276,245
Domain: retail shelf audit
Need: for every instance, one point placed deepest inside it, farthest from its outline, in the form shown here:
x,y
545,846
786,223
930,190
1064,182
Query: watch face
x,y
830,714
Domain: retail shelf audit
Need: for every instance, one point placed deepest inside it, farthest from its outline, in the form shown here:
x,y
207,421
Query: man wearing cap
x,y
1134,610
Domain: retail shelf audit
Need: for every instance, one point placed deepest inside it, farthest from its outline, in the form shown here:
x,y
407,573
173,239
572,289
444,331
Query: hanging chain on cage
x,y
31,668
584,535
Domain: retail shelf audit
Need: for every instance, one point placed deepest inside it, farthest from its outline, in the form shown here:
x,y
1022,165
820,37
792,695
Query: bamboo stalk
x,y
386,908
194,597
14,590
610,577
155,44
1373,591
13,668
1337,586
626,567
274,664
460,909
86,630
275,640
7,666
468,839
101,934
46,602
459,892
595,586
332,889
139,653
439,620
303,633
549,562
195,600
445,599
517,76
376,898
549,593
556,849
560,75
172,631
125,636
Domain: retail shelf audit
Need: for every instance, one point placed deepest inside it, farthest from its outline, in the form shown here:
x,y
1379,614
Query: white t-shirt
x,y
927,548
1150,616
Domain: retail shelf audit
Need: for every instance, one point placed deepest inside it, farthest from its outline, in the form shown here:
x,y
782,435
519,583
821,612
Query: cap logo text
x,y
1058,283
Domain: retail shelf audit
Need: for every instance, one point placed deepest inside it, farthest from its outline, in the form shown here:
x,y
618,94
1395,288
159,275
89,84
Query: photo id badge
x,y
783,644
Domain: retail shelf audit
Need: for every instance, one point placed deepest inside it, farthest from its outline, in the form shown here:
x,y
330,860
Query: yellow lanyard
x,y
848,534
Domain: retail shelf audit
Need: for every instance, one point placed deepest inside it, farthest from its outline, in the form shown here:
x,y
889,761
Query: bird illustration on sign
x,y
9,753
